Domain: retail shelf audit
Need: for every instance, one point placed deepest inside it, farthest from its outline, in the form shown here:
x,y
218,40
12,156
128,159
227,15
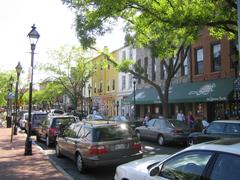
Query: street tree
x,y
49,94
71,68
4,86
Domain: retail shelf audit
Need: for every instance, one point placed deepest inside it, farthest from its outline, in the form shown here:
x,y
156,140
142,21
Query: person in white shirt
x,y
180,116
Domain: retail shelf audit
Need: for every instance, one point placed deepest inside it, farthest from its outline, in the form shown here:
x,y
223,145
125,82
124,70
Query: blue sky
x,y
54,22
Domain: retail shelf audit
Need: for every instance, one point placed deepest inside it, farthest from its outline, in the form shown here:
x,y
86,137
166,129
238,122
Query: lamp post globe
x,y
33,37
18,70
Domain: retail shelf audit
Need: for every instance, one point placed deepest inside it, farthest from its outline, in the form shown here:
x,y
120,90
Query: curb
x,y
68,176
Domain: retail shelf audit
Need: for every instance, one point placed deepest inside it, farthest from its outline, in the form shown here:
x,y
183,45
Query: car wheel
x,y
161,140
138,134
80,165
58,152
47,141
191,142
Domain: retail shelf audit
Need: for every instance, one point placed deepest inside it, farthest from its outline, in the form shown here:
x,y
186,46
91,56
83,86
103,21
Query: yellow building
x,y
104,85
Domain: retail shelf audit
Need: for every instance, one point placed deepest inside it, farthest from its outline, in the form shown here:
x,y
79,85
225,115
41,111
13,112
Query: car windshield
x,y
111,133
177,124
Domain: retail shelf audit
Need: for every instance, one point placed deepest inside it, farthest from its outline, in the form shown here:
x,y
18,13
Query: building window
x,y
113,84
185,67
123,82
130,81
108,86
146,67
199,61
154,68
95,87
130,53
109,66
123,55
216,57
139,66
100,86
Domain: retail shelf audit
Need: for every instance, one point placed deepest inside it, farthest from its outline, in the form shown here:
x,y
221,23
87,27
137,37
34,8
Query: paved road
x,y
103,173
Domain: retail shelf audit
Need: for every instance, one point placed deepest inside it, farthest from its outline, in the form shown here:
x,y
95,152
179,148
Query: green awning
x,y
207,91
145,96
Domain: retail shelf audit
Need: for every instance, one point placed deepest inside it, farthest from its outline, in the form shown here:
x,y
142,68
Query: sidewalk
x,y
14,165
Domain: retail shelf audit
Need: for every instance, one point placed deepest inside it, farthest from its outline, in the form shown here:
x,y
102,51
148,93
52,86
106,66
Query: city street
x,y
103,173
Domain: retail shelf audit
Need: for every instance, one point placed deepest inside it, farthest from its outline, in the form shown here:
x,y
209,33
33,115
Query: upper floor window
x,y
185,67
109,66
131,53
154,68
233,54
123,82
139,65
130,81
113,84
199,60
95,87
216,57
108,85
100,86
123,55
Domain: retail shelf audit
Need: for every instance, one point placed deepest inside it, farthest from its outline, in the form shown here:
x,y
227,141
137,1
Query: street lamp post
x,y
18,70
134,99
89,98
33,37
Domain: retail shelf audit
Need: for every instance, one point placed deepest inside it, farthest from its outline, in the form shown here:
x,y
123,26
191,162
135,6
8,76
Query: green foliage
x,y
4,86
71,69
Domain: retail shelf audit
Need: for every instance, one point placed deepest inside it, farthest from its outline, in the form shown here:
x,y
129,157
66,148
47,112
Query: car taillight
x,y
97,150
53,131
137,145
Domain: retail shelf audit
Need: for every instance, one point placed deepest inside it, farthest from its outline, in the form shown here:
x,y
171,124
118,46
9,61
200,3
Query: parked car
x,y
36,119
98,143
164,130
23,121
123,119
94,117
215,160
216,130
47,130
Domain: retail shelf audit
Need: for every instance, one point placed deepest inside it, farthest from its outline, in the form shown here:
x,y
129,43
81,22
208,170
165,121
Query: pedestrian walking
x,y
190,120
180,116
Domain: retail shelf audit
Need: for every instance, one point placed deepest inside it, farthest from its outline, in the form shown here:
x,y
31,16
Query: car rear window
x,y
38,118
111,133
64,121
177,124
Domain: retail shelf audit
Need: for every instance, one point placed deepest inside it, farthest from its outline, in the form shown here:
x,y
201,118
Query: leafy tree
x,y
71,69
48,95
4,87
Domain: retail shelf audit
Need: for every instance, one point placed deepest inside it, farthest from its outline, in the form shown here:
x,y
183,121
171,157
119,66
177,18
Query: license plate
x,y
119,146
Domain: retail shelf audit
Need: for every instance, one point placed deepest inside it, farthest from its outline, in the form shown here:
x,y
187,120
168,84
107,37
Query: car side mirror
x,y
155,171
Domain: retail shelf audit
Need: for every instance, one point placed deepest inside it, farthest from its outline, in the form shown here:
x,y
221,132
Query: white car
x,y
215,160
